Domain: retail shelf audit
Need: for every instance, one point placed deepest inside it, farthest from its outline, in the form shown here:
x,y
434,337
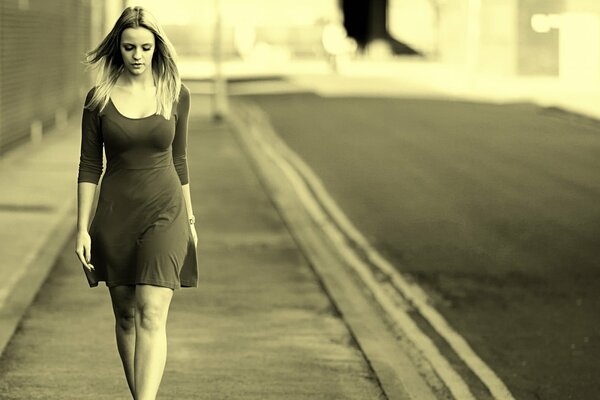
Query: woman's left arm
x,y
180,146
188,199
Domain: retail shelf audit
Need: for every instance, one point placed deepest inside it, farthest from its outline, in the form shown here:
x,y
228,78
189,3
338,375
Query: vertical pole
x,y
1,87
219,84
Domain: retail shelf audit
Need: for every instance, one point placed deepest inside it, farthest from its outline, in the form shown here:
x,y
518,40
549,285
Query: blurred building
x,y
507,37
43,42
41,77
249,28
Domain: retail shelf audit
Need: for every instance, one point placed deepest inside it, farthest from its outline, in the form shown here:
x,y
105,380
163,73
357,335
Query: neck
x,y
138,81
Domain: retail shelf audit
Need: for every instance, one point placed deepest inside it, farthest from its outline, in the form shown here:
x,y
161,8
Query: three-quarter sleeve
x,y
90,160
181,135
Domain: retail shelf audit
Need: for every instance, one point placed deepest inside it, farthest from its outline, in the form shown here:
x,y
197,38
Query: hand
x,y
195,235
83,249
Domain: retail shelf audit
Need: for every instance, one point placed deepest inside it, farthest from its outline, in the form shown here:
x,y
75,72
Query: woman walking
x,y
142,240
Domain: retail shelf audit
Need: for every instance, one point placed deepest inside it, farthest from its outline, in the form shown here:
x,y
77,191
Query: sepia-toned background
x,y
395,199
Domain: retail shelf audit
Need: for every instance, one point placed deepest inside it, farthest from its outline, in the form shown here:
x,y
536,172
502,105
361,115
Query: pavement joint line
x,y
307,182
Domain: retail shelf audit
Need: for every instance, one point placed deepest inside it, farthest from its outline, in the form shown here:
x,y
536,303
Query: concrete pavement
x,y
260,326
37,207
37,215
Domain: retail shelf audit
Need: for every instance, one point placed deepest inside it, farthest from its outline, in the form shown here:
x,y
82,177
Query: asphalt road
x,y
493,209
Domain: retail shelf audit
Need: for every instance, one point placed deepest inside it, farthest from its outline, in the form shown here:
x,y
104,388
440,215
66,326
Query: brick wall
x,y
41,76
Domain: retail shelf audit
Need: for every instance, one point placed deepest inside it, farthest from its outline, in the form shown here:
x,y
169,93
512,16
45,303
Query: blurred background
x,y
552,42
461,137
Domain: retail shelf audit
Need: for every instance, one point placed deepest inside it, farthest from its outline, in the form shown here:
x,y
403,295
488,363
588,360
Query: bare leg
x,y
123,302
152,308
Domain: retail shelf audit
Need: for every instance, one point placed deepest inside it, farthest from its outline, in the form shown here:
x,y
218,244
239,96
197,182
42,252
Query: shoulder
x,y
89,96
90,93
183,103
184,93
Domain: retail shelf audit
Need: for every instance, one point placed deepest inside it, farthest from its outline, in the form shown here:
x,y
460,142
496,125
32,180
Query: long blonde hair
x,y
109,62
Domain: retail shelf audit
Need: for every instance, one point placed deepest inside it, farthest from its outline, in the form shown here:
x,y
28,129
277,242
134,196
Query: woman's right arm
x,y
90,170
85,199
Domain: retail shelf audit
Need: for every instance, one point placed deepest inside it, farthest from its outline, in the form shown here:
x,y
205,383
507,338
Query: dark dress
x,y
140,231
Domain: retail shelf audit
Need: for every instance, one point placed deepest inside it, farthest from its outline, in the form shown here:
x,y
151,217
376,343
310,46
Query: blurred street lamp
x,y
543,23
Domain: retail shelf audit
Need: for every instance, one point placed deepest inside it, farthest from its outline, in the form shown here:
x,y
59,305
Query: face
x,y
137,48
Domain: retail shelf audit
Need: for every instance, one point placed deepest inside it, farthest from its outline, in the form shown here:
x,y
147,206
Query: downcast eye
x,y
129,48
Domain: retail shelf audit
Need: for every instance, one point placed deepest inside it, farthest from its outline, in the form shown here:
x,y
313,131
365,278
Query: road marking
x,y
319,203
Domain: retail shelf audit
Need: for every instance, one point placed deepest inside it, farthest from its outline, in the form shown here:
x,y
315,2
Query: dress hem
x,y
183,284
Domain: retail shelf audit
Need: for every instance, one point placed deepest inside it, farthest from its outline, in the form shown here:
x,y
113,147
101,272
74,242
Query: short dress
x,y
140,232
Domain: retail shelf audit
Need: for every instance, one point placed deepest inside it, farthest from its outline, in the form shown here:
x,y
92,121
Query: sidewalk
x,y
37,214
259,326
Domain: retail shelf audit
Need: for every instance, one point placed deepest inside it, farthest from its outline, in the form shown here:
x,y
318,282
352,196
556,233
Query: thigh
x,y
153,298
159,257
123,300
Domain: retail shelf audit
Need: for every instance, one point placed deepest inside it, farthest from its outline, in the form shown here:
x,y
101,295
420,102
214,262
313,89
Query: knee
x,y
151,318
125,320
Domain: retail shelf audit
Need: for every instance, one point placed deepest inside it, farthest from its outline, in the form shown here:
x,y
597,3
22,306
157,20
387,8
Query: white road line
x,y
301,175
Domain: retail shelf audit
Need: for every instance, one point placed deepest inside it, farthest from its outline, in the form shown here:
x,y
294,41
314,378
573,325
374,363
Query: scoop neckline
x,y
125,116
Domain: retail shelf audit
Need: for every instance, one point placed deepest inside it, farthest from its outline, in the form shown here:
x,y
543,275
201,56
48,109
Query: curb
x,y
27,287
398,298
401,372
